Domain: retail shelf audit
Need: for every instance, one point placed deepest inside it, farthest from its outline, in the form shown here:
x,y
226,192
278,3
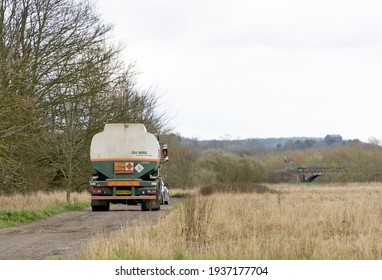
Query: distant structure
x,y
289,162
333,138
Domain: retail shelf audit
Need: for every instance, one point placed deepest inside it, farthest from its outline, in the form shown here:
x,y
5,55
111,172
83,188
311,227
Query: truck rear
x,y
127,161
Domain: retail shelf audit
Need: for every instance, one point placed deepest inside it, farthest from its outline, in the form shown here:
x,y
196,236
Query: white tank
x,y
120,141
124,141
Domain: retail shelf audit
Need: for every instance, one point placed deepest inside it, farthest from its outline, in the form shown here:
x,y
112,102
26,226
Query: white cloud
x,y
259,68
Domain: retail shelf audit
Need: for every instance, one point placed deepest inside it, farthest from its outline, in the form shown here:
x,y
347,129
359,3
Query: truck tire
x,y
96,206
99,208
144,206
153,206
156,205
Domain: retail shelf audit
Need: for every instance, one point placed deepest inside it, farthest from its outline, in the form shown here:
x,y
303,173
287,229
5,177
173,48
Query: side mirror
x,y
165,153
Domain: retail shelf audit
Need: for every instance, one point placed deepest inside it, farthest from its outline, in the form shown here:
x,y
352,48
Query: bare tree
x,y
55,59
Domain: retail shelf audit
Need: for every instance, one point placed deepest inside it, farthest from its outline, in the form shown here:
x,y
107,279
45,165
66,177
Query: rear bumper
x,y
123,197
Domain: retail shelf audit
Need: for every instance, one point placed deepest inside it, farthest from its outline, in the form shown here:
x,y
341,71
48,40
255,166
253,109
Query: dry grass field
x,y
296,222
39,201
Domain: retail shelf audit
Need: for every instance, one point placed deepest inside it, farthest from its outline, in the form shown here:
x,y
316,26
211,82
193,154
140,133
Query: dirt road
x,y
62,236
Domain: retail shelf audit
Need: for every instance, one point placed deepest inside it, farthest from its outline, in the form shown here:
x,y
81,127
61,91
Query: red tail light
x,y
97,190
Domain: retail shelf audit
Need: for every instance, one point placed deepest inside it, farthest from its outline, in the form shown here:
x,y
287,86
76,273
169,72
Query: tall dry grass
x,y
291,222
39,201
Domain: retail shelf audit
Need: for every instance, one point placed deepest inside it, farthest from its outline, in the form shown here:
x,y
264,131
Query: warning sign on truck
x,y
124,167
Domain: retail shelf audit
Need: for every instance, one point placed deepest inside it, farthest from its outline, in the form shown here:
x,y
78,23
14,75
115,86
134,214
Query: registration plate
x,y
125,192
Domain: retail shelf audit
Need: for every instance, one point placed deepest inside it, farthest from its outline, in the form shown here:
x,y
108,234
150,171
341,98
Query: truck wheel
x,y
156,205
100,207
144,206
151,205
96,208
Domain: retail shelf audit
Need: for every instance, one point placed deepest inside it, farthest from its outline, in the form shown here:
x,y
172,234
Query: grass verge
x,y
19,209
14,218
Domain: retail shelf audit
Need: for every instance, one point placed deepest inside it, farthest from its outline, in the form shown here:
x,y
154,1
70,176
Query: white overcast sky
x,y
257,69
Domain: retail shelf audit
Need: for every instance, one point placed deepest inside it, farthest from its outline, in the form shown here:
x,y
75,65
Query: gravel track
x,y
62,236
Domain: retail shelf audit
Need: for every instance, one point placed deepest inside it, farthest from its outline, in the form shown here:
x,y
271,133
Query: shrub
x,y
221,166
239,187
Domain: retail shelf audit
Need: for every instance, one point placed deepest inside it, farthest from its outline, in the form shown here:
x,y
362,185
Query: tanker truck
x,y
127,161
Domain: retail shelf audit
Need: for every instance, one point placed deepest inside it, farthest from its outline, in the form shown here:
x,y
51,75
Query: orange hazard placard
x,y
124,167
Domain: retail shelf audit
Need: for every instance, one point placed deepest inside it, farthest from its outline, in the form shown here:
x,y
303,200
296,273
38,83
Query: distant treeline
x,y
257,146
195,163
